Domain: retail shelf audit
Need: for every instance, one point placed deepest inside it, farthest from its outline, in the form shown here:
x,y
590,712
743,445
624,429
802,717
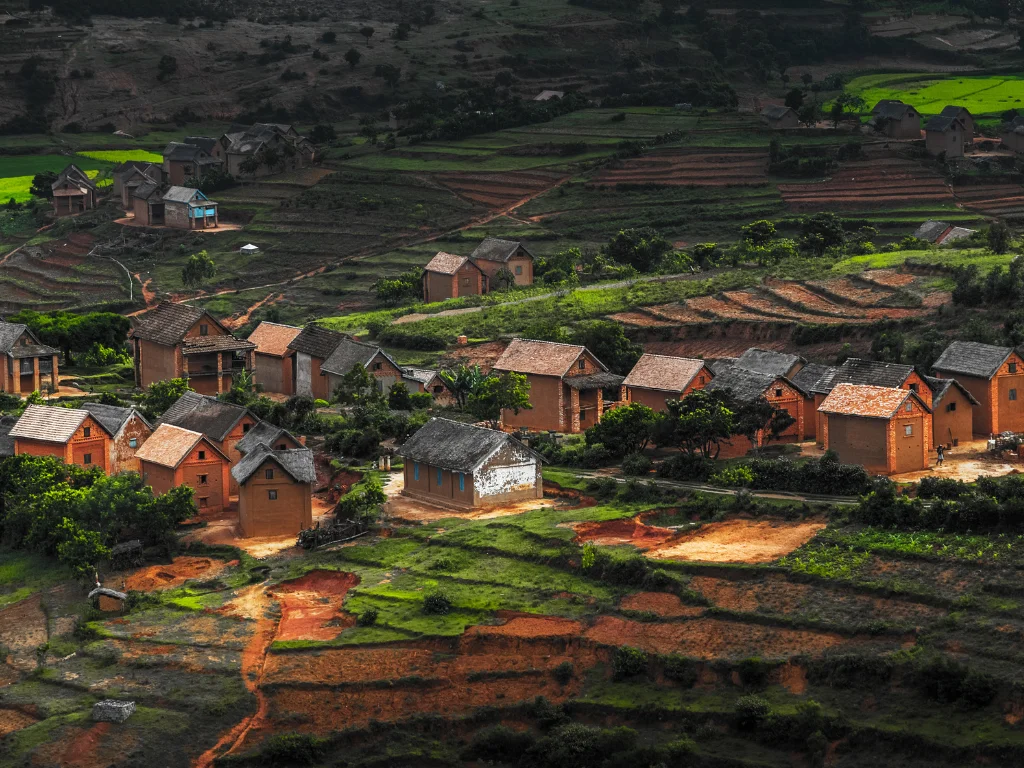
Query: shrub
x,y
564,672
686,466
437,603
629,662
751,711
636,465
367,618
293,748
680,669
754,672
730,477
499,744
601,488
633,492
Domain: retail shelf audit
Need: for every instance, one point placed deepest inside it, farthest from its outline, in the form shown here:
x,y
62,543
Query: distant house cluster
x,y
492,265
243,150
949,134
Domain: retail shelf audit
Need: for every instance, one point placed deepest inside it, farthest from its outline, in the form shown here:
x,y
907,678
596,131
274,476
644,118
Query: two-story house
x,y
26,365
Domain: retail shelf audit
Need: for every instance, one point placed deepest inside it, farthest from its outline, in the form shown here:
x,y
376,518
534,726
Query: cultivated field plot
x,y
16,172
499,191
690,167
930,93
1000,200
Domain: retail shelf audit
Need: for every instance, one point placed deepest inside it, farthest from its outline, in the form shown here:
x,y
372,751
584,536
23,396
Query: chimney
x,y
462,341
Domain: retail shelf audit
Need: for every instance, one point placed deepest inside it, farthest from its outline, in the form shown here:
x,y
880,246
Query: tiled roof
x,y
75,175
167,323
954,111
146,191
168,445
193,345
868,372
972,359
350,353
273,338
202,413
891,109
205,143
940,387
455,446
49,423
811,374
112,417
9,335
316,341
445,263
493,249
865,401
746,385
297,462
544,358
421,375
264,433
661,372
767,361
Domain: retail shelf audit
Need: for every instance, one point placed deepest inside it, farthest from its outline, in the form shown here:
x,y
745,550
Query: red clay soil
x,y
740,541
660,603
175,574
311,606
12,720
81,751
624,531
530,626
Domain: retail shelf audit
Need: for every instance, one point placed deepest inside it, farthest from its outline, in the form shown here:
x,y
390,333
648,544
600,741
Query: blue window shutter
x,y
439,476
415,470
462,482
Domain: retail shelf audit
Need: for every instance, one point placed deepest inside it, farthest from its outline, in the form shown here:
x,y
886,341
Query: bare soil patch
x,y
22,630
311,605
625,531
663,604
174,574
530,626
12,720
739,541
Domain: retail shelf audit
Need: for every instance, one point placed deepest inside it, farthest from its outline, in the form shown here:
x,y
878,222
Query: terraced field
x,y
500,191
693,167
1001,200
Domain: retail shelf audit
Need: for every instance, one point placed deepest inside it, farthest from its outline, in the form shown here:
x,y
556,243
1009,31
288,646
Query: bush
x,y
437,603
636,465
751,711
754,672
293,748
601,488
680,669
733,477
367,618
686,466
632,492
499,744
629,662
564,672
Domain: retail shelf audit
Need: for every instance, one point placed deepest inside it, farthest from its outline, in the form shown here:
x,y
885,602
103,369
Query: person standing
x,y
940,455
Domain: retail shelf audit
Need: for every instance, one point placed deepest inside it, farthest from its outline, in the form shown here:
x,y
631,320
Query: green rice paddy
x,y
16,172
929,93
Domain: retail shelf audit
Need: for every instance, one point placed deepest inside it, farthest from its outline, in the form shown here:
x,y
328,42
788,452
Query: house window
x,y
133,442
272,495
951,407
269,474
202,455
203,502
913,387
908,430
519,270
415,470
465,282
378,366
438,390
778,393
246,428
281,447
204,479
87,458
462,482
583,415
26,365
439,478
87,432
1013,367
908,407
1013,394
582,365
204,330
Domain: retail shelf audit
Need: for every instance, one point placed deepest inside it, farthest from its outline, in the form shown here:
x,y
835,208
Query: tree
x,y
462,381
198,269
836,113
820,232
795,99
624,430
161,395
809,113
998,237
759,233
323,133
394,290
509,391
78,548
641,248
366,32
398,397
73,332
806,78
244,389
697,424
166,67
503,279
357,387
329,36
42,184
390,74
353,57
607,341
760,417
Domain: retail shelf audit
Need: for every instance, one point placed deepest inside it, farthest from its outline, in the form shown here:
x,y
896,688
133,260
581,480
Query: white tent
x,y
249,249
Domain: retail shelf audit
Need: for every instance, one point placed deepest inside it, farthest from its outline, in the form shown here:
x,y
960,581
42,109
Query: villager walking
x,y
940,455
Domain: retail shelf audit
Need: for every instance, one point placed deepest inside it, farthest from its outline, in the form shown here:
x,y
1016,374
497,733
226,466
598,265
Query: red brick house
x,y
191,159
275,491
448,276
73,192
179,341
567,385
26,365
884,429
494,255
173,456
310,349
656,379
746,386
807,379
128,430
994,376
274,360
71,434
350,353
451,464
952,411
427,380
148,204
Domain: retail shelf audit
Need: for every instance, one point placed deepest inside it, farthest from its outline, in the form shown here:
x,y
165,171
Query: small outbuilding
x,y
275,489
452,464
952,411
777,117
112,711
448,276
884,429
174,456
656,379
249,249
73,192
940,232
108,600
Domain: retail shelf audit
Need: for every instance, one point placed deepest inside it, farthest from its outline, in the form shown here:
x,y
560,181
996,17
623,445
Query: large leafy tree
x,y
760,417
697,424
357,387
461,381
624,430
607,341
161,395
641,248
72,332
820,232
42,185
200,268
508,392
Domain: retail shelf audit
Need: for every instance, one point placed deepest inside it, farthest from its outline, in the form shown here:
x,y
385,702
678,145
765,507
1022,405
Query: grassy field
x,y
989,95
16,172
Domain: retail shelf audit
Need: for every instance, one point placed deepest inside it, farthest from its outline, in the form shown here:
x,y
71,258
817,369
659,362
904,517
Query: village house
x,y
73,192
311,348
26,365
190,159
177,341
493,256
994,376
448,276
964,116
806,379
274,359
945,136
275,491
188,208
885,430
547,95
952,411
940,232
71,434
777,117
148,204
896,119
655,379
265,433
567,385
265,148
452,464
128,430
746,386
173,456
427,380
350,353
107,600
223,424
1013,134
770,362
131,175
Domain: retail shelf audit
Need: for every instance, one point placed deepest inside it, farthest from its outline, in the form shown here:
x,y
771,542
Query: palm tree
x,y
461,381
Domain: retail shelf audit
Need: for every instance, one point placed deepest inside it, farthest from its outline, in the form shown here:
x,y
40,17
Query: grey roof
x,y
50,424
422,375
263,433
6,441
809,376
940,387
168,323
113,711
182,153
767,361
9,335
931,230
147,190
954,111
892,109
865,372
184,195
205,143
298,463
455,446
203,413
942,124
775,111
247,139
601,380
108,592
972,359
746,385
316,341
720,364
493,249
75,175
112,417
350,353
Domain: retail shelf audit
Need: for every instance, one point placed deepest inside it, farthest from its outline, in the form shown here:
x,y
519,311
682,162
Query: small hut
x,y
108,600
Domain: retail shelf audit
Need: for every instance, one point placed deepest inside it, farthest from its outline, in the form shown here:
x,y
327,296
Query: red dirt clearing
x,y
663,604
739,541
625,531
311,605
530,626
12,720
174,574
